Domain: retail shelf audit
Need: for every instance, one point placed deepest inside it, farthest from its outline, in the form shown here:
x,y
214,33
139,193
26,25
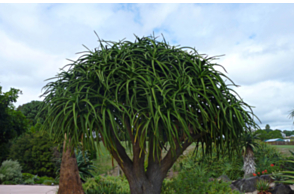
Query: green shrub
x,y
34,179
10,171
232,167
266,155
29,181
26,176
43,179
9,183
106,185
34,153
48,182
194,179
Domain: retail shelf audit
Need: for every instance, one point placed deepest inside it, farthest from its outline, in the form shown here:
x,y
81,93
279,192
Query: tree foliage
x,y
268,134
10,171
288,133
145,91
12,123
30,110
34,152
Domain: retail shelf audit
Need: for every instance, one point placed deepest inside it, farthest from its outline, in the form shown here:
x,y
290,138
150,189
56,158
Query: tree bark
x,y
249,164
150,181
69,181
145,185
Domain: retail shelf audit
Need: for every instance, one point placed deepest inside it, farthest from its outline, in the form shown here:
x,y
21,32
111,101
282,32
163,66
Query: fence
x,y
280,143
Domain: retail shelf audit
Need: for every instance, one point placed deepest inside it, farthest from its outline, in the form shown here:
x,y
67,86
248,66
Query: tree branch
x,y
138,162
120,155
129,129
170,159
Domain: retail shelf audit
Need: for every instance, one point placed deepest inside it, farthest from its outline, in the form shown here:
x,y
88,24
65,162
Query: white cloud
x,y
272,100
257,40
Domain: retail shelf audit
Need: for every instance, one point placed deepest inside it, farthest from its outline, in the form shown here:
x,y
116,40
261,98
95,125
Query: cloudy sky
x,y
257,40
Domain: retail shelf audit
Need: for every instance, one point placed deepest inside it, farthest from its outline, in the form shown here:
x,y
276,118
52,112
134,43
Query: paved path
x,y
28,189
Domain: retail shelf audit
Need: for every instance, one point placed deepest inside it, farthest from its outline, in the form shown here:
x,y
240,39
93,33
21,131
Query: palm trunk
x,y
249,164
69,181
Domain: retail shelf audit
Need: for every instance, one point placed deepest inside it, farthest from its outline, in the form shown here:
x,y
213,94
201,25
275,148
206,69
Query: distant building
x,y
274,140
291,136
283,135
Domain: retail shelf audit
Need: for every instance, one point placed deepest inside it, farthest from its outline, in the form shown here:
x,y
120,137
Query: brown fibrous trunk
x,y
69,181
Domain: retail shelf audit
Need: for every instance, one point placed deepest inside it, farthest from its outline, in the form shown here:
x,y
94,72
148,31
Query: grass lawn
x,y
285,149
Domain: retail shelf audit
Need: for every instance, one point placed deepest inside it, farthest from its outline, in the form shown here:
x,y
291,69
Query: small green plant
x,y
10,171
194,179
106,185
85,165
262,185
277,176
29,181
35,179
287,176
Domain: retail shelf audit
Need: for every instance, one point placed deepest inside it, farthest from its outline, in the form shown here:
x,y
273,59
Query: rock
x,y
246,185
249,184
234,188
224,178
267,178
282,189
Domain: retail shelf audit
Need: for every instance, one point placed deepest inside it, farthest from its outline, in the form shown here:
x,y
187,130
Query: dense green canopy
x,y
144,91
12,123
30,110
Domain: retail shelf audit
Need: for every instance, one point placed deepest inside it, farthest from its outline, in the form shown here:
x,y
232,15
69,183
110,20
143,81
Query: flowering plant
x,y
258,173
269,170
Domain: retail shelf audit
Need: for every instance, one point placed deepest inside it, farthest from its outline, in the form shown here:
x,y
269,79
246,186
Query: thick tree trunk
x,y
140,180
69,181
145,186
249,164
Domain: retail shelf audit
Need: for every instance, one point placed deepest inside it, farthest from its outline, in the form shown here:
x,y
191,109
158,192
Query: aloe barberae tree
x,y
149,96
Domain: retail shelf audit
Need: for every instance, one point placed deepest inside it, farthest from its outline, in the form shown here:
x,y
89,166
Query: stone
x,y
249,184
234,188
224,178
267,178
282,189
246,185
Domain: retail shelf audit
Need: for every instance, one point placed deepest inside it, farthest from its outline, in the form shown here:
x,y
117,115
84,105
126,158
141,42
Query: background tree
x,y
34,152
271,134
30,110
288,133
158,97
12,123
292,114
267,128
